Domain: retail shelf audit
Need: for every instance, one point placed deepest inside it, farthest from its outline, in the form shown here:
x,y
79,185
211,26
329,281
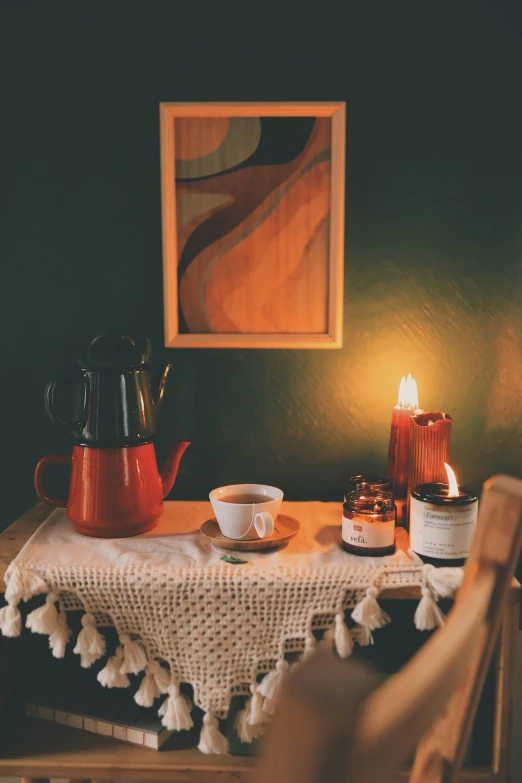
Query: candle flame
x,y
408,395
452,481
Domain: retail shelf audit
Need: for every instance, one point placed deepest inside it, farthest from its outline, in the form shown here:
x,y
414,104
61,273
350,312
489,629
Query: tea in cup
x,y
246,511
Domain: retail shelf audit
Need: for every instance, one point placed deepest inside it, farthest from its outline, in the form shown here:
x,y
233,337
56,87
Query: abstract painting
x,y
253,224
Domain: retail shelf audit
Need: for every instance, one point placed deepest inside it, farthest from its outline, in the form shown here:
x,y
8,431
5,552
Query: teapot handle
x,y
51,459
50,405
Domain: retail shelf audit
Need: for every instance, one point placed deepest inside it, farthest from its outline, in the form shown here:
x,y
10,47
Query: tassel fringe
x,y
251,721
155,682
363,635
270,688
134,656
428,615
45,618
246,732
368,612
256,713
148,691
14,591
342,637
10,621
111,675
444,582
162,676
90,644
175,711
23,585
211,739
60,636
338,636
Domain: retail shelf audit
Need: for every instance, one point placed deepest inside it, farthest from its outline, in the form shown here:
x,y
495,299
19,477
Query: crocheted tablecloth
x,y
183,615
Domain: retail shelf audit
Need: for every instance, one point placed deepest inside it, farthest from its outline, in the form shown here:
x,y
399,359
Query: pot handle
x,y
51,459
50,390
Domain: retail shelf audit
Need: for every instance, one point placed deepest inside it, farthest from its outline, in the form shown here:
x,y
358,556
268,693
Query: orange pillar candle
x,y
398,450
430,434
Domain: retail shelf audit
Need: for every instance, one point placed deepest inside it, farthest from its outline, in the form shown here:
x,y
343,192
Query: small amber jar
x,y
369,523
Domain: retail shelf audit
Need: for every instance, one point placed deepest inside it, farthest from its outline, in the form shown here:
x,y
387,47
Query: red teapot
x,y
116,489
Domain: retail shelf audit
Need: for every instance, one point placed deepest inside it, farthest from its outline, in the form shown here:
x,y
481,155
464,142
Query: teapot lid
x,y
115,352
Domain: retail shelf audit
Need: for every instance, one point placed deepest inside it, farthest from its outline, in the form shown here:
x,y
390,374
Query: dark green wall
x,y
433,226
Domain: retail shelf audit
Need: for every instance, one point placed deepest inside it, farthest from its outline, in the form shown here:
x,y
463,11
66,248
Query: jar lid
x,y
436,493
369,481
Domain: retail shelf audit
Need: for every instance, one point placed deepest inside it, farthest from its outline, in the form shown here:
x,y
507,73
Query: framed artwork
x,y
253,224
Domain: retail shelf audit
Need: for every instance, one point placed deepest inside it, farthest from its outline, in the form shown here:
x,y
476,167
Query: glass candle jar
x,y
369,523
442,525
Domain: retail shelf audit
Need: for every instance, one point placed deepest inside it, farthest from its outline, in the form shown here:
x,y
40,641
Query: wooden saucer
x,y
285,528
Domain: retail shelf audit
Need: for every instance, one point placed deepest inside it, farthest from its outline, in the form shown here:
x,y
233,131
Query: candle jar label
x,y
359,531
442,531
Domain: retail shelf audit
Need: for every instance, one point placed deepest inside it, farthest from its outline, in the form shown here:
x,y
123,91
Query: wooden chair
x,y
334,724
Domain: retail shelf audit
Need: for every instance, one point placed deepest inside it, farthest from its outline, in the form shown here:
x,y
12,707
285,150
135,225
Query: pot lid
x,y
114,352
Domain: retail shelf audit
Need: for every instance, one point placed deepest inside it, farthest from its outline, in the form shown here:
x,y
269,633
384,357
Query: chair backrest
x,y
335,725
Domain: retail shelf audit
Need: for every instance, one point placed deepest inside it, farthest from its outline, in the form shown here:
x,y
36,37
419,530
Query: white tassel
x,y
443,581
60,636
155,682
368,612
45,618
10,621
161,675
211,740
175,711
245,731
14,591
342,637
111,675
271,686
428,615
251,721
23,585
363,635
134,656
256,715
90,644
148,690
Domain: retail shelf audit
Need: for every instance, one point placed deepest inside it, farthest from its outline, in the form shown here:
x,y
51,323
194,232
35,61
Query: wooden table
x,y
48,750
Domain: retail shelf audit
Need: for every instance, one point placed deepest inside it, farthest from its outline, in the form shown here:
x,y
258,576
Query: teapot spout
x,y
170,471
158,385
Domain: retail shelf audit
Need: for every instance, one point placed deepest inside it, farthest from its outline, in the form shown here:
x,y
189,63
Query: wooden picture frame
x,y
303,221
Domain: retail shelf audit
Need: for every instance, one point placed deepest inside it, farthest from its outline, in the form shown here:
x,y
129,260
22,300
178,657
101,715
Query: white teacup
x,y
253,518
